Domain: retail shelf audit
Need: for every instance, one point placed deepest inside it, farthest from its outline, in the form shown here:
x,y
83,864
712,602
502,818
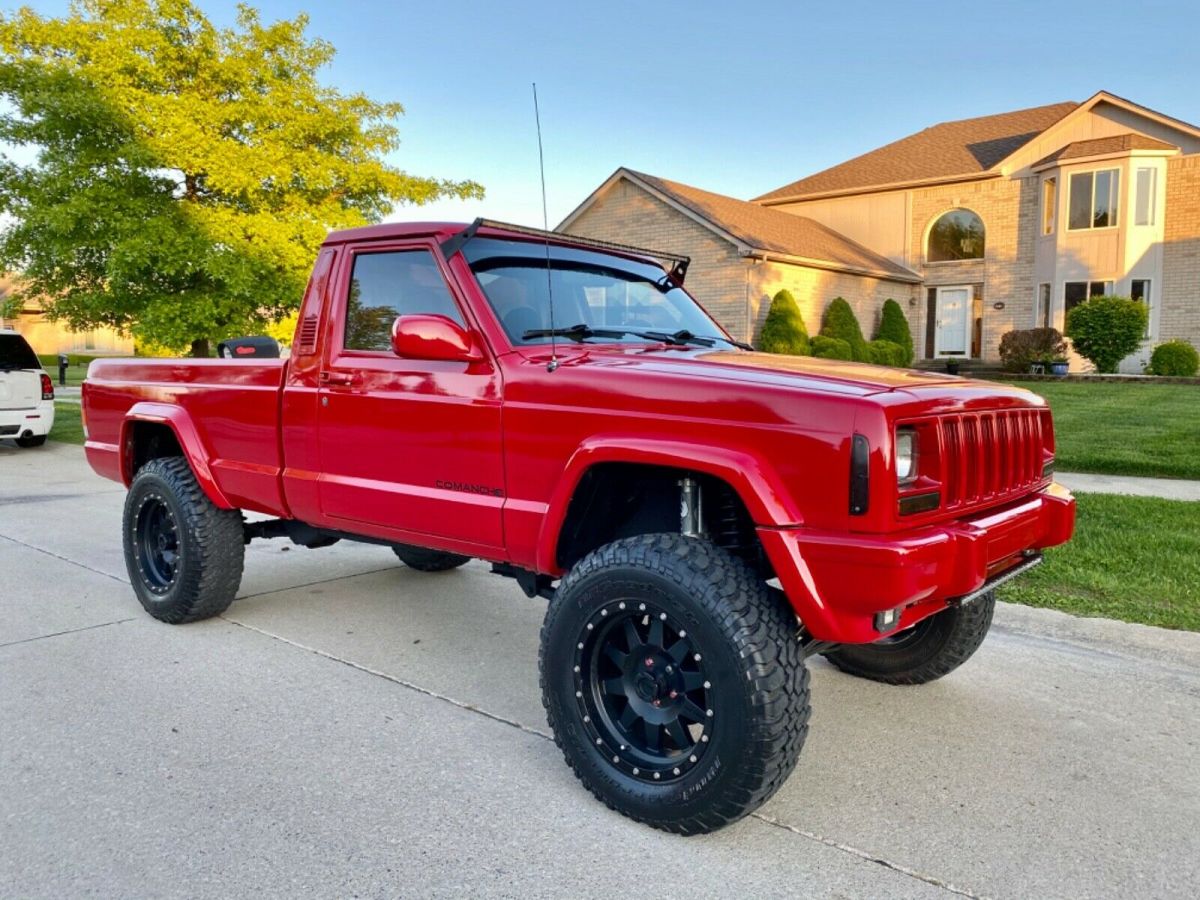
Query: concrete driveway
x,y
354,728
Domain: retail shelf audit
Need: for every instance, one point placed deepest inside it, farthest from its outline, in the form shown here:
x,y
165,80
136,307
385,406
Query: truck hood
x,y
805,372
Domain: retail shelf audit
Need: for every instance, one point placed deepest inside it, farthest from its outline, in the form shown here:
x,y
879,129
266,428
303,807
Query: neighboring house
x,y
994,223
741,253
53,337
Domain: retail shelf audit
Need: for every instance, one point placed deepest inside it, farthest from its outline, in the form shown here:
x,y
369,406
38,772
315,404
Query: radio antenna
x,y
546,228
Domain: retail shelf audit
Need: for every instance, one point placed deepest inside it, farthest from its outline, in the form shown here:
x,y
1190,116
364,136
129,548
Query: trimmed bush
x,y
840,322
784,331
893,326
1029,345
1105,330
888,353
831,348
1174,358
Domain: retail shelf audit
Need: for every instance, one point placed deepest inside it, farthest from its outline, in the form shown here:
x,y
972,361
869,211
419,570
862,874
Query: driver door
x,y
406,445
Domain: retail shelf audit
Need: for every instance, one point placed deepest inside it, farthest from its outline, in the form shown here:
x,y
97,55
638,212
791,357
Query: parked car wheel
x,y
673,682
183,554
934,647
35,440
424,560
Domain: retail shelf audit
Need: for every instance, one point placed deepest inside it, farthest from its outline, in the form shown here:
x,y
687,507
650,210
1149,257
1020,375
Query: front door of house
x,y
953,317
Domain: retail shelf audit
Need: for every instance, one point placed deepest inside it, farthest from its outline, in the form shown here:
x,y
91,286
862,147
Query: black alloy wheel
x,y
156,539
642,691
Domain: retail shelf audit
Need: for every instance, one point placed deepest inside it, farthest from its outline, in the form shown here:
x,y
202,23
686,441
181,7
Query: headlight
x,y
906,456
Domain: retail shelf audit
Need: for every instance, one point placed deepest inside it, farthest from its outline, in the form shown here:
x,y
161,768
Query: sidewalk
x,y
1165,488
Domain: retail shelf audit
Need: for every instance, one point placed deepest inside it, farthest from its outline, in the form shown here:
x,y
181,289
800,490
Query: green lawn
x,y
68,427
1125,429
1132,558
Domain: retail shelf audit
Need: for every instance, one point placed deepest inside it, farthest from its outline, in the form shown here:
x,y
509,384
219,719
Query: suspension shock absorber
x,y
690,522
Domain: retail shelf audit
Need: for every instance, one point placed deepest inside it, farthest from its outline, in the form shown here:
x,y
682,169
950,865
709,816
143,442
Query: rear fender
x,y
177,419
752,477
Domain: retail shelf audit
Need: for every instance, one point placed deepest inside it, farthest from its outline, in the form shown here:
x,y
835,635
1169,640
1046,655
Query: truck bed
x,y
230,408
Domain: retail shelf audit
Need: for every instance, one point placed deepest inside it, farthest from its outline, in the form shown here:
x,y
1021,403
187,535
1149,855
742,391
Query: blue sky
x,y
735,99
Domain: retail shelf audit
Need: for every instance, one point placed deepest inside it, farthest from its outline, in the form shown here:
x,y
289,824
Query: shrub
x,y
893,326
888,353
784,331
1174,358
840,322
1020,348
831,348
1106,330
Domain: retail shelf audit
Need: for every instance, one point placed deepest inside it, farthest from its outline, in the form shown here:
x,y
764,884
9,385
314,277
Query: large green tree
x,y
184,174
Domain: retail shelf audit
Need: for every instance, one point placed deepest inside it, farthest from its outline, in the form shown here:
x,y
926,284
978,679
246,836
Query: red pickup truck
x,y
701,517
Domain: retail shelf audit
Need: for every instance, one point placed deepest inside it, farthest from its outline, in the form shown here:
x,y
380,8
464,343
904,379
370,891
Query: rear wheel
x,y
31,441
673,682
424,560
934,647
184,555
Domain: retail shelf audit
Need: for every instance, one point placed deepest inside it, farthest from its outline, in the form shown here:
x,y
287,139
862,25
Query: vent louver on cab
x,y
306,335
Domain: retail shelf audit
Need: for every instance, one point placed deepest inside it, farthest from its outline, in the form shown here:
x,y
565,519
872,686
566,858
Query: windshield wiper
x,y
580,331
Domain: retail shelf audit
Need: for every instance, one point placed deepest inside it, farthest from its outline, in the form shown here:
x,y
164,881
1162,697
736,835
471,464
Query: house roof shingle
x,y
772,231
951,149
1119,143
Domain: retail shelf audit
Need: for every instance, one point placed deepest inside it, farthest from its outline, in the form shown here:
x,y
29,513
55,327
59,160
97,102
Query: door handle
x,y
341,379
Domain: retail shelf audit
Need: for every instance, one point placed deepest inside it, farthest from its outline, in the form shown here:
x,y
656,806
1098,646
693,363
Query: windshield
x,y
608,294
15,353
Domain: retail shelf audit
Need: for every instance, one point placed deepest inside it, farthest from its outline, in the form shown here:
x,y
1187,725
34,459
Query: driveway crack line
x,y
869,857
461,704
65,559
42,637
296,587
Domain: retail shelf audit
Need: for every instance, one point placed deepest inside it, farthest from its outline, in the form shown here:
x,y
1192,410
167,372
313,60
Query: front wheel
x,y
673,682
184,555
934,647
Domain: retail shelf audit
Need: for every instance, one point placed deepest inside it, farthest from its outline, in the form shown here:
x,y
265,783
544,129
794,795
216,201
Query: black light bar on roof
x,y
453,244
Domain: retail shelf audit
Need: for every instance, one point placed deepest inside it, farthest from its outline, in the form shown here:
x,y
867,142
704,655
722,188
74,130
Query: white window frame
x,y
1050,209
1115,220
1151,200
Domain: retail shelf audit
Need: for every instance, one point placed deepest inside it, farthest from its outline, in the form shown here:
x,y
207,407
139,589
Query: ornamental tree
x,y
185,174
1105,330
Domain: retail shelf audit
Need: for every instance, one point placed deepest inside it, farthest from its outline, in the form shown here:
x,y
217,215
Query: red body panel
x,y
482,455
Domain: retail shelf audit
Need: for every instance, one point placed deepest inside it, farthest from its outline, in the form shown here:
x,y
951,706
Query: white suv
x,y
26,393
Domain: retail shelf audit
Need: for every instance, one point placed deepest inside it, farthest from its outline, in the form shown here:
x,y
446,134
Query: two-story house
x,y
977,227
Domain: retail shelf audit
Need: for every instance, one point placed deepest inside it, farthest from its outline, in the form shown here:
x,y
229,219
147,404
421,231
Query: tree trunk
x,y
200,348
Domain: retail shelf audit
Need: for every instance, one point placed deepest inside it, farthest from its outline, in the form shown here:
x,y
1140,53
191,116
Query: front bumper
x,y
837,582
33,421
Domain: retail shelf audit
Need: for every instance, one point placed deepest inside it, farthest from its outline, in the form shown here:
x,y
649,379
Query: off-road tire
x,y
424,560
760,687
211,544
34,440
932,648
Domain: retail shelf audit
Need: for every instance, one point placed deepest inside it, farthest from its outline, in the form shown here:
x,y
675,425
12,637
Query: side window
x,y
386,285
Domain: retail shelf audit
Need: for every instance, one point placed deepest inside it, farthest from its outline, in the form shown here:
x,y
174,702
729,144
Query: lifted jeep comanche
x,y
701,517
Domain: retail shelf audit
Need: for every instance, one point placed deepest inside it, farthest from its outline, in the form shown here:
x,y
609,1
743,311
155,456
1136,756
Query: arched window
x,y
957,234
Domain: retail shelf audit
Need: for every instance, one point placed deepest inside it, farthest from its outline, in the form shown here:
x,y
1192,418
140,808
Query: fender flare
x,y
751,476
180,422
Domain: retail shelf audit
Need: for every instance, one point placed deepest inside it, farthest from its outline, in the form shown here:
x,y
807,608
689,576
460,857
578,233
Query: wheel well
x,y
147,441
619,500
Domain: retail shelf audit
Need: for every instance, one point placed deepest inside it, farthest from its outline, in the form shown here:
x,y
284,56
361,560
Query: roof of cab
x,y
395,231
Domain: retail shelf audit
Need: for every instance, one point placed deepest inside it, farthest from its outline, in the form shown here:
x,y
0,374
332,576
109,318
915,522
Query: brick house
x,y
976,227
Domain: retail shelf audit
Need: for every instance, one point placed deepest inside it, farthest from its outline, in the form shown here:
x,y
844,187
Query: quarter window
x,y
386,285
1147,179
1094,199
